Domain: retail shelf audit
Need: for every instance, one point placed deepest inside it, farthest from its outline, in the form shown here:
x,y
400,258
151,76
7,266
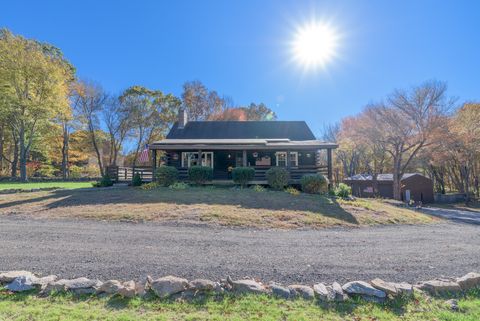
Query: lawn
x,y
209,205
36,185
253,307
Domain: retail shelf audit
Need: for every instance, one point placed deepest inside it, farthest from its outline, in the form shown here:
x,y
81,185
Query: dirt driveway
x,y
106,250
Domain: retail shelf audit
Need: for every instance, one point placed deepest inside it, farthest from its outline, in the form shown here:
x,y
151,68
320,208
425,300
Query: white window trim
x,y
286,158
202,160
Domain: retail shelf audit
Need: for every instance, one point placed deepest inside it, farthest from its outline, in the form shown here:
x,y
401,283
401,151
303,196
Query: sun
x,y
315,45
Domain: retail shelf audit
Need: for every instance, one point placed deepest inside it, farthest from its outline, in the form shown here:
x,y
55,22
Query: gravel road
x,y
129,251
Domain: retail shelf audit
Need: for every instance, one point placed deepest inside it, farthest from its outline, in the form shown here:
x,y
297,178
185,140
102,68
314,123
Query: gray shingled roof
x,y
293,130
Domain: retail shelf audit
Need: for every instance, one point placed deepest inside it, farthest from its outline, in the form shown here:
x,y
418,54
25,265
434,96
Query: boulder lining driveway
x,y
72,248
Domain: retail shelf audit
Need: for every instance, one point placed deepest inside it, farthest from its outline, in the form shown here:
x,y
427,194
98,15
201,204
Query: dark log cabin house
x,y
224,145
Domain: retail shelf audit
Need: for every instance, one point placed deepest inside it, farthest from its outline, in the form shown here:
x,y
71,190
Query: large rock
x,y
20,284
128,289
79,286
440,286
44,280
110,287
168,285
362,288
323,292
280,291
247,286
303,291
340,295
393,288
201,285
469,281
7,277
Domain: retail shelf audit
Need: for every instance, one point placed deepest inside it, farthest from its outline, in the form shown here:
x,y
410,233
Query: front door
x,y
224,163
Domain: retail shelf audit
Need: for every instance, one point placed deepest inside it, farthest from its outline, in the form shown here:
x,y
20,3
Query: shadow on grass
x,y
245,198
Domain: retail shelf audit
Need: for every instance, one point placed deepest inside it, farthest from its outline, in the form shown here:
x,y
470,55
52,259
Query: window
x,y
190,159
282,159
293,159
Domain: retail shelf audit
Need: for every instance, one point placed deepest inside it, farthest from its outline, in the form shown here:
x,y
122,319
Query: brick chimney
x,y
182,118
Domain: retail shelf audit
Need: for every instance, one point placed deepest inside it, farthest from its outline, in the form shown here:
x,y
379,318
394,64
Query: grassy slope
x,y
31,185
65,307
221,206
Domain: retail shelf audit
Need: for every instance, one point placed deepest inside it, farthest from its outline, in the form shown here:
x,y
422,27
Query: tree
x,y
406,124
150,114
34,81
116,120
88,101
252,112
200,102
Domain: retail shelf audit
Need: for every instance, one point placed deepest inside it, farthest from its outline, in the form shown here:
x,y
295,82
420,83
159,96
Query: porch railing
x,y
125,174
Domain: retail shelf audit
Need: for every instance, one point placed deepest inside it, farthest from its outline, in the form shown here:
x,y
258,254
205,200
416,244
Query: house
x,y
223,145
417,186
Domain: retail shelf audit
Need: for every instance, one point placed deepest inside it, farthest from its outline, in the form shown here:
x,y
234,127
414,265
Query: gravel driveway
x,y
129,251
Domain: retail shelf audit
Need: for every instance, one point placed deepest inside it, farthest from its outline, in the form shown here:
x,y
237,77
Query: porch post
x,y
329,166
244,158
288,160
200,157
154,163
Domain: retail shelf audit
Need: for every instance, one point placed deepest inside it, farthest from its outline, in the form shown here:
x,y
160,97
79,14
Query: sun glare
x,y
315,45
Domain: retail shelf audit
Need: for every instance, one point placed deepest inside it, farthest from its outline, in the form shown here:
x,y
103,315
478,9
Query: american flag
x,y
144,155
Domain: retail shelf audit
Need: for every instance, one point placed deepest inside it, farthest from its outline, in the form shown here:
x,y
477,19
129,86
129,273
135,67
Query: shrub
x,y
178,186
46,170
277,178
292,190
242,175
149,186
200,174
75,171
166,175
106,181
343,190
258,188
314,183
136,180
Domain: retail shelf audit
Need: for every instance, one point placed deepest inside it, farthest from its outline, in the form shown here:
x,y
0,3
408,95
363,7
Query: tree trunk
x,y
15,157
397,176
2,144
97,152
65,147
23,154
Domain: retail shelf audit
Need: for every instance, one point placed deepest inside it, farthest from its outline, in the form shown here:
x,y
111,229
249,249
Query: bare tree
x,y
406,124
88,102
116,120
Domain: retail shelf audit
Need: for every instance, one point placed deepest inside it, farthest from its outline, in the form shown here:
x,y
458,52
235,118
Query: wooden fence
x,y
125,174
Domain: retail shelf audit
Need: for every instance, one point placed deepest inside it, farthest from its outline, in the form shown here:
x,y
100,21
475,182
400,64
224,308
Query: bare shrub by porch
x,y
314,183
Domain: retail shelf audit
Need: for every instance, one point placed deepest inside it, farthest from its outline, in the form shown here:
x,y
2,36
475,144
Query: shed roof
x,y
380,177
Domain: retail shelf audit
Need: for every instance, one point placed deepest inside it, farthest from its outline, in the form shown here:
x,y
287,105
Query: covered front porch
x,y
298,158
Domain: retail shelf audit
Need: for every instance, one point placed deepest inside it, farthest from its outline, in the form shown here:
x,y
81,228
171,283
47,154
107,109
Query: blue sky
x,y
241,48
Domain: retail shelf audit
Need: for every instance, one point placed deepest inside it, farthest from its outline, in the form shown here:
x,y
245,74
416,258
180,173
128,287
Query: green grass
x,y
34,185
252,307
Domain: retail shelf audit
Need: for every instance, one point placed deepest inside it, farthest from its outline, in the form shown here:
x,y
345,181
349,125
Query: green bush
x,y
343,190
200,174
178,186
314,183
166,175
136,180
243,175
277,178
106,181
46,170
292,190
